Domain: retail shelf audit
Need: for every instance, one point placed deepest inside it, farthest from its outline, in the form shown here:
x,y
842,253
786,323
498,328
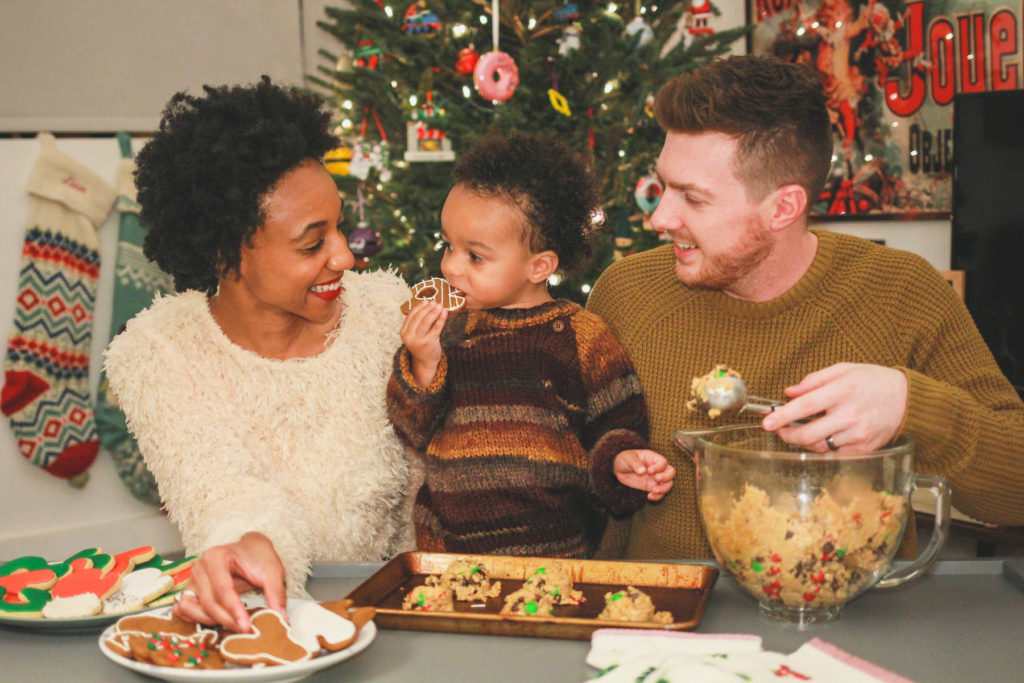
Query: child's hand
x,y
421,334
645,470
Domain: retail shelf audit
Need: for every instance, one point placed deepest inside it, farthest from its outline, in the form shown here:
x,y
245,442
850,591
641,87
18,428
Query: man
x,y
871,338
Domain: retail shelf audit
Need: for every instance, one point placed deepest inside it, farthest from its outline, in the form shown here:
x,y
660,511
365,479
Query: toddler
x,y
529,413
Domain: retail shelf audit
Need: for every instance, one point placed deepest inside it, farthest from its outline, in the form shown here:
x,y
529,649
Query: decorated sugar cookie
x,y
73,606
316,627
137,589
24,583
28,603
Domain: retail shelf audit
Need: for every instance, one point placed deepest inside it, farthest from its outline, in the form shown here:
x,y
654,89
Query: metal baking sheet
x,y
682,589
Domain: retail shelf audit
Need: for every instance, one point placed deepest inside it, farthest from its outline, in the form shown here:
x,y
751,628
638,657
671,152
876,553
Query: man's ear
x,y
789,203
542,265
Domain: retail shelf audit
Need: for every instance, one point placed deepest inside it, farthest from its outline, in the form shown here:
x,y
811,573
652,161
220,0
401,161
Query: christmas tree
x,y
407,102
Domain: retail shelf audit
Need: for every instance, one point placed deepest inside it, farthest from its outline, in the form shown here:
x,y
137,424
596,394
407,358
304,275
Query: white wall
x,y
110,65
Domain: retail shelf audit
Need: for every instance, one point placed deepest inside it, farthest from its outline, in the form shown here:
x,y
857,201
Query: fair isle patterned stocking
x,y
137,280
46,370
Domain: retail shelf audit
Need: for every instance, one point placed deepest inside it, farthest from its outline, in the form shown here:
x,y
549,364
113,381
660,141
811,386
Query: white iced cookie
x,y
137,589
82,605
316,627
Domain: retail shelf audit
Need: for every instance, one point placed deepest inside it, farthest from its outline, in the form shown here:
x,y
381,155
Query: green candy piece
x,y
530,607
756,566
617,596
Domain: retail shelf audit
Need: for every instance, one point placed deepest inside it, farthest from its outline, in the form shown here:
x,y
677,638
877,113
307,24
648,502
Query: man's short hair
x,y
775,110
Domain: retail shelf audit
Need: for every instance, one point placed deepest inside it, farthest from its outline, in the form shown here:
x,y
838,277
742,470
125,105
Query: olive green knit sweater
x,y
859,302
521,426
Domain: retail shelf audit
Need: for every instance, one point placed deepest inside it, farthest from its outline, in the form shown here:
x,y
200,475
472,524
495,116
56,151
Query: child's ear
x,y
542,265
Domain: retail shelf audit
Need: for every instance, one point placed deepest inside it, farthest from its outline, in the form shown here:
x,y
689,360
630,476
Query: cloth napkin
x,y
642,656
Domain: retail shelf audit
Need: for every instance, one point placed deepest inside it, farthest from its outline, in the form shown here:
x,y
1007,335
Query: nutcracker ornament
x,y
623,235
366,54
700,17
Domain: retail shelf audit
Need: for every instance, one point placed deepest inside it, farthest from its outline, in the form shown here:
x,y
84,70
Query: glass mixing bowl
x,y
805,532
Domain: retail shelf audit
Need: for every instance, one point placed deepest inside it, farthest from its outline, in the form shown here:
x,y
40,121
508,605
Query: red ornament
x,y
467,60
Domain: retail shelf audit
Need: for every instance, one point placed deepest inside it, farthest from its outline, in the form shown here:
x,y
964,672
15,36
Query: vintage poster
x,y
891,70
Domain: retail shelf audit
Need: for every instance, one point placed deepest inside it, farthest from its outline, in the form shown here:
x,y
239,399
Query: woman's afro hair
x,y
203,177
553,185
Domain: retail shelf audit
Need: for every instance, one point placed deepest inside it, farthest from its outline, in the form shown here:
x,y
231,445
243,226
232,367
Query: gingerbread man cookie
x,y
435,289
271,643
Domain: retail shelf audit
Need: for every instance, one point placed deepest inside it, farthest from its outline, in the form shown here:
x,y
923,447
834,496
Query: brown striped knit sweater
x,y
859,302
520,429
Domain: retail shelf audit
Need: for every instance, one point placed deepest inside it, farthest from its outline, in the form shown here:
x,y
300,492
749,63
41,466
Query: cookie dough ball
x,y
530,602
428,598
556,582
632,604
469,581
699,387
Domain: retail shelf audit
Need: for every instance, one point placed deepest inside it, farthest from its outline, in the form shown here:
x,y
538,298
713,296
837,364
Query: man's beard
x,y
721,271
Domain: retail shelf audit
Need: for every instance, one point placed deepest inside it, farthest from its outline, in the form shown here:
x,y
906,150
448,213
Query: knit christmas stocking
x,y
137,281
46,370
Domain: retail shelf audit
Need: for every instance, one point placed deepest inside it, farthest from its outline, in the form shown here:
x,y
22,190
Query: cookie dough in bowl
x,y
804,533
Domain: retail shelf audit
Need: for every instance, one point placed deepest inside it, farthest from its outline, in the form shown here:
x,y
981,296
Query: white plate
x,y
280,674
76,625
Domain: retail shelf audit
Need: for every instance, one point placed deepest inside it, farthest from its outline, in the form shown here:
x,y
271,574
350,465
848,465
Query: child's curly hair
x,y
202,179
553,185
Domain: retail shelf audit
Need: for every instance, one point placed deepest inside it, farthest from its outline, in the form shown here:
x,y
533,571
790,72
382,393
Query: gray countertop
x,y
963,621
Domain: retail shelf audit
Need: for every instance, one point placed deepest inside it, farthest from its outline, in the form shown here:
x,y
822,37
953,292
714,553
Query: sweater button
x,y
558,326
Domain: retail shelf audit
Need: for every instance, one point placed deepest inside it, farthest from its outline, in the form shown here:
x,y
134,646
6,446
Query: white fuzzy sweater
x,y
300,450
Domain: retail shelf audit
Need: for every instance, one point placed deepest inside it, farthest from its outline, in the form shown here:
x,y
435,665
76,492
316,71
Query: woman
x,y
256,393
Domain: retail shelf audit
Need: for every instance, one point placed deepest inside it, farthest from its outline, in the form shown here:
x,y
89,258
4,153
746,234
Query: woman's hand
x,y
421,334
222,573
863,406
645,470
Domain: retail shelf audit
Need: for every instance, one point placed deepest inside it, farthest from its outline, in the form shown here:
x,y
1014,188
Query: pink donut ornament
x,y
496,76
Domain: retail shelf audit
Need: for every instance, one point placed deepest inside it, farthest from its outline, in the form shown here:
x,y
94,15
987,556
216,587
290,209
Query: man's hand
x,y
863,407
